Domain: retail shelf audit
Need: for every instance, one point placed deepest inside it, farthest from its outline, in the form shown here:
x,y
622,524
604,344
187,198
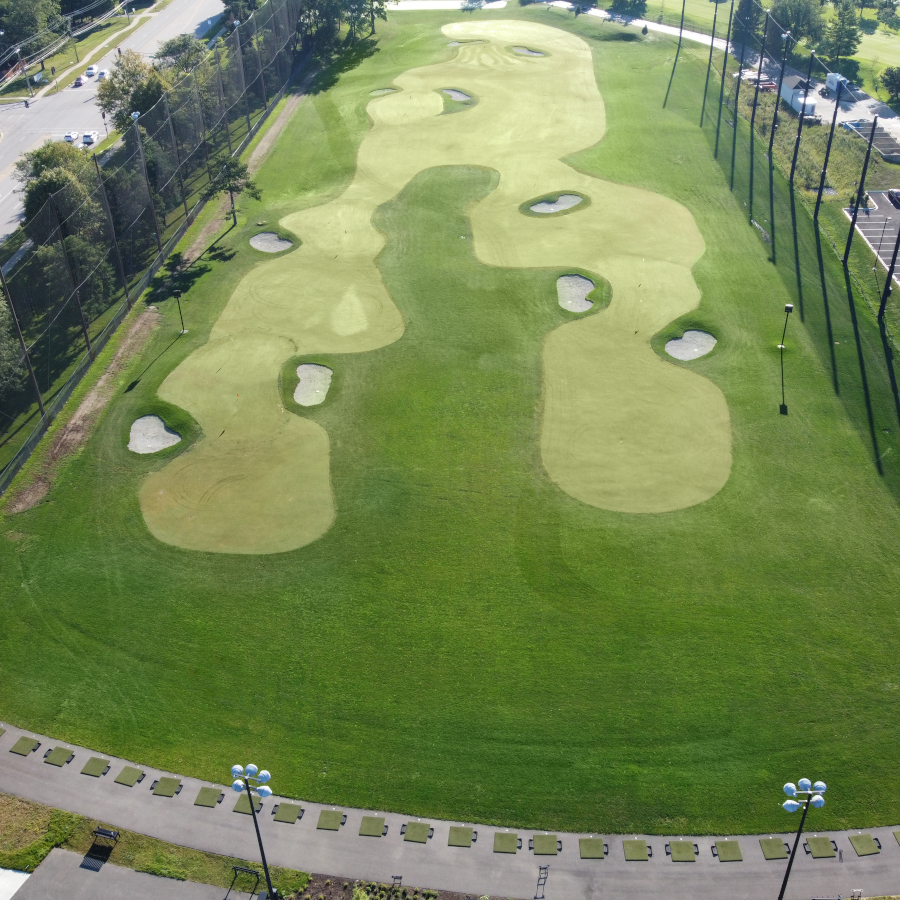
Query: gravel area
x,y
149,434
563,201
269,242
572,291
456,95
526,52
692,345
313,385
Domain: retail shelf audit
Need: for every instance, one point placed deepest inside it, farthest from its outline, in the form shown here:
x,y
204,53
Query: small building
x,y
793,90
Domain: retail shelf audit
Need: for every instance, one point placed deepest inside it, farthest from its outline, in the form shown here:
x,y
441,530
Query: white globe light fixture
x,y
803,795
250,779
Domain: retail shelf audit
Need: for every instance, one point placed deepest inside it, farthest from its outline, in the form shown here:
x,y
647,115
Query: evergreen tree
x,y
842,37
747,26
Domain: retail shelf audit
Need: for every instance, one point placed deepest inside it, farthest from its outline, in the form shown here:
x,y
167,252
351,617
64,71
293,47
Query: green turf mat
x,y
208,797
773,848
372,826
505,842
288,812
820,847
636,851
166,787
24,745
545,845
417,832
682,851
58,756
243,804
129,776
460,836
864,844
591,848
729,851
95,766
330,819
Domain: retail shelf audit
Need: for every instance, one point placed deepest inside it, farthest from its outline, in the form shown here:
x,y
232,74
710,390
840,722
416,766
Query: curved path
x,y
622,429
476,870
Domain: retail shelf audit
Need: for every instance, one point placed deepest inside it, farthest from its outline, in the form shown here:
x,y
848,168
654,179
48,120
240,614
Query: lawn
x,y
540,662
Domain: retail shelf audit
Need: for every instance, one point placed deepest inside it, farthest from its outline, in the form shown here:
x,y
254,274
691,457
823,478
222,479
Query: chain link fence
x,y
72,273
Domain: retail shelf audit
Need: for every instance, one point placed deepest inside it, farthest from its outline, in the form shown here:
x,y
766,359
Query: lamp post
x,y
788,309
881,240
242,778
177,295
813,794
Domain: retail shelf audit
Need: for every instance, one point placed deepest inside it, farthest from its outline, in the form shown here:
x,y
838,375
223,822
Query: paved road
x,y
61,876
73,109
476,870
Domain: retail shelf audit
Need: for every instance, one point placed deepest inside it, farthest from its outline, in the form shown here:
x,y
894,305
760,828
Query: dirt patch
x,y
261,151
331,887
75,432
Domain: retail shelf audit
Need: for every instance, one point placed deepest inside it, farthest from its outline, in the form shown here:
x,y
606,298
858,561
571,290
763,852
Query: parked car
x,y
70,137
78,82
102,74
91,71
90,137
894,196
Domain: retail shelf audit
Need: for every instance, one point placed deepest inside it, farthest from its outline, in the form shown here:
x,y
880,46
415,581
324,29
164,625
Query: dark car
x,y
78,82
894,196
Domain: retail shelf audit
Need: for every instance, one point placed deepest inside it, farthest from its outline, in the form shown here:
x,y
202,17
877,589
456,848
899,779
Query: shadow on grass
x,y
342,59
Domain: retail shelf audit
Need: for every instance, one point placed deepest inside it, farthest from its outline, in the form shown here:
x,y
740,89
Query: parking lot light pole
x,y
813,794
242,778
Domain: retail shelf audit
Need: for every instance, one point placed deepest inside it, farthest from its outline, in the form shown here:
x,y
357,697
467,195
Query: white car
x,y
90,137
102,74
70,137
91,71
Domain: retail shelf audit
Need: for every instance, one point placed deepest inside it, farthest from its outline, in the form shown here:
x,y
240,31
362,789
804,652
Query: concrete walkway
x,y
61,877
476,870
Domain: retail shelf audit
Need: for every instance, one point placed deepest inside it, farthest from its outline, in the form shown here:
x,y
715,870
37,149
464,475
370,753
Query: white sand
x,y
563,201
572,291
269,242
381,91
456,95
692,345
526,52
313,385
149,434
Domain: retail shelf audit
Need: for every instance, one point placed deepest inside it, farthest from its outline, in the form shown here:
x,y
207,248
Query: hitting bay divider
x,y
365,844
622,429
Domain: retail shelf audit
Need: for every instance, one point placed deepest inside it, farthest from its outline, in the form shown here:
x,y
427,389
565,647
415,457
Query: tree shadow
x,y
346,57
827,309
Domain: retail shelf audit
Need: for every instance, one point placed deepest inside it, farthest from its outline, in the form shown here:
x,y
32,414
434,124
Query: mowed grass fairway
x,y
467,641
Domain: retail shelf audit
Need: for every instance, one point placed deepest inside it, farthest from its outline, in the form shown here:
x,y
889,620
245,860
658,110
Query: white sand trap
x,y
149,434
313,385
269,242
563,201
456,95
572,291
381,91
692,345
526,52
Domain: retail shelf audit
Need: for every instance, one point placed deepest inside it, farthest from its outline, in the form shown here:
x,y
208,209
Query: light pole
x,y
177,295
813,793
788,309
881,240
242,778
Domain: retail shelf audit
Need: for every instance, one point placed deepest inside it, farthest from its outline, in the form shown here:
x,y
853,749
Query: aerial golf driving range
x,y
482,437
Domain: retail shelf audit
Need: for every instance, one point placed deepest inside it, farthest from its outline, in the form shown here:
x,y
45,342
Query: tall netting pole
x,y
722,86
737,97
140,149
812,59
861,191
712,46
112,230
762,56
177,155
837,106
25,354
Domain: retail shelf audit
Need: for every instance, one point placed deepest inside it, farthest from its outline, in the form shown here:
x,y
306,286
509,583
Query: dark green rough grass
x,y
551,665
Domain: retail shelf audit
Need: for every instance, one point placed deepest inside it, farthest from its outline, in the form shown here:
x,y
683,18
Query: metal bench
x,y
107,834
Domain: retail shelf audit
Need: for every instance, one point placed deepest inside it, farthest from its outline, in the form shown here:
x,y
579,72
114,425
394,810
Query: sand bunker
x,y
313,385
526,52
380,91
149,434
563,201
692,345
572,291
269,242
456,95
